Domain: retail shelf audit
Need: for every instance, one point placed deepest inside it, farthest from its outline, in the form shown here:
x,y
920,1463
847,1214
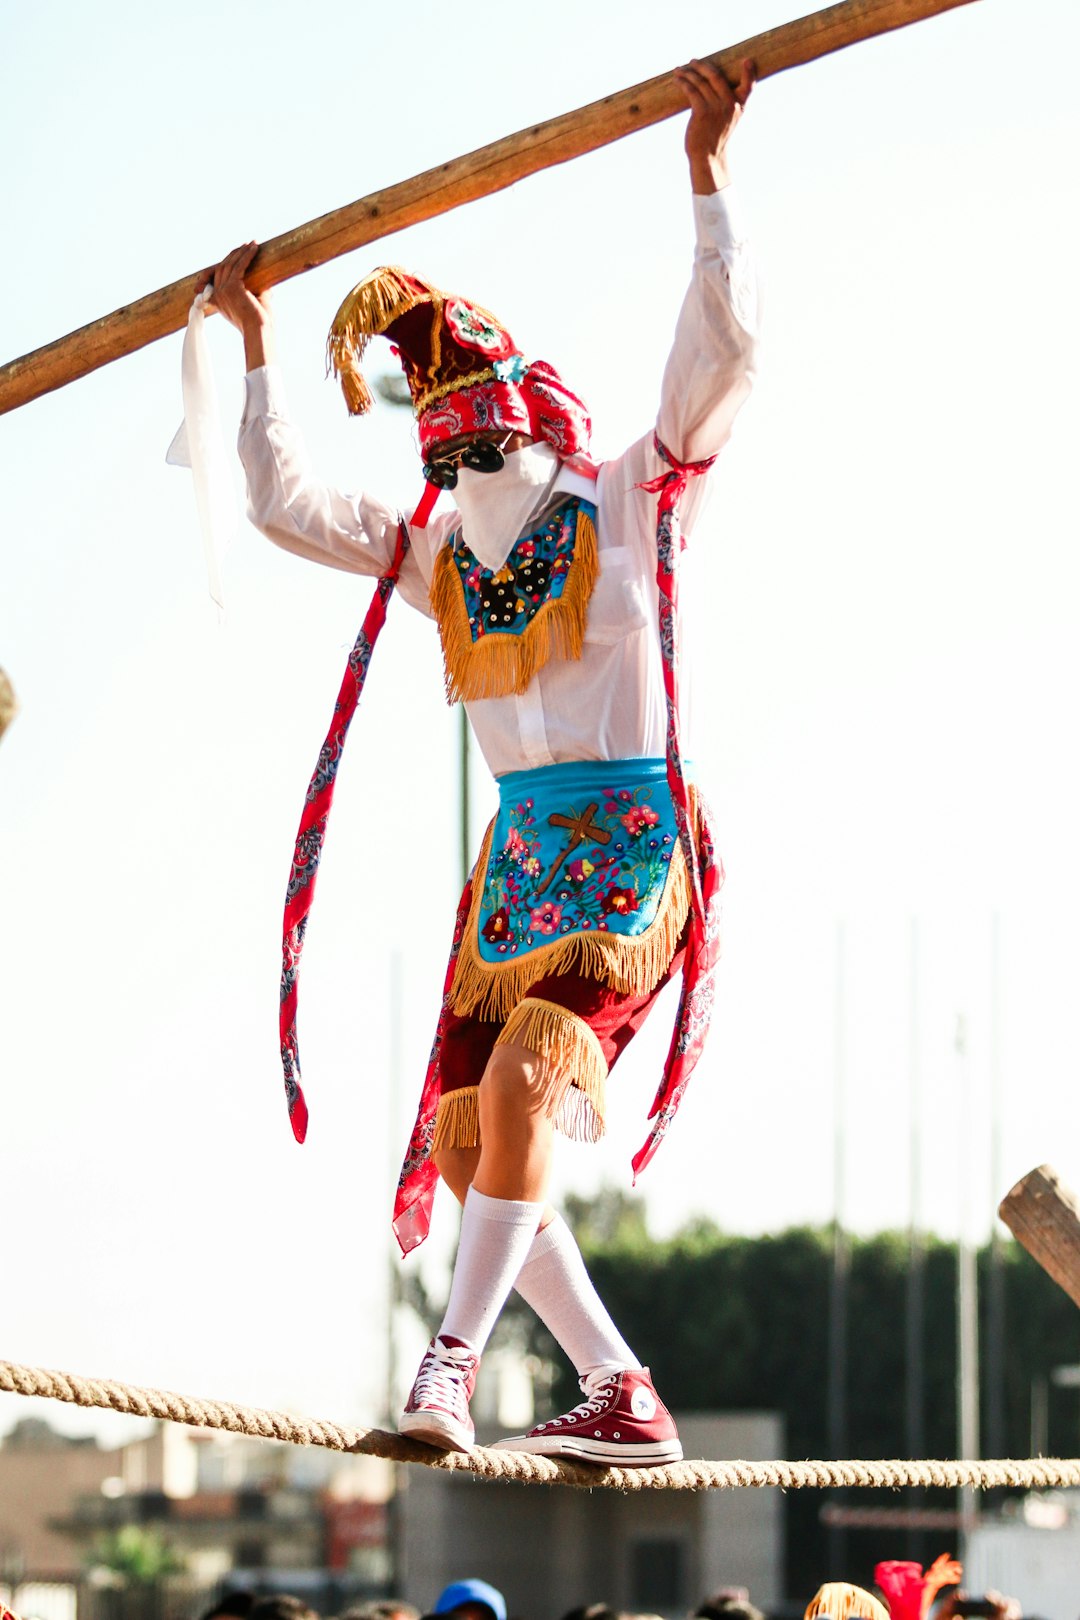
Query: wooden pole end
x,y
1044,1215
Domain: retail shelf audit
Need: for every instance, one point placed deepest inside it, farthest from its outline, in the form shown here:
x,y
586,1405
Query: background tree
x,y
136,1557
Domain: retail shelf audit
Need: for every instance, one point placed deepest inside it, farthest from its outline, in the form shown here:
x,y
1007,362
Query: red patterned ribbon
x,y
307,851
702,863
670,544
416,1183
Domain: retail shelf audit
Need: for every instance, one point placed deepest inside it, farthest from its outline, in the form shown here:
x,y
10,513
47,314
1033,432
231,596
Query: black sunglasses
x,y
479,455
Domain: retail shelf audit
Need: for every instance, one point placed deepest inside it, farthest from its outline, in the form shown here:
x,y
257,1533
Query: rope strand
x,y
1039,1473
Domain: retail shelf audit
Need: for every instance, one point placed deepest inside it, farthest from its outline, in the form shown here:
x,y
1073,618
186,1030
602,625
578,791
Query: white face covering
x,y
496,507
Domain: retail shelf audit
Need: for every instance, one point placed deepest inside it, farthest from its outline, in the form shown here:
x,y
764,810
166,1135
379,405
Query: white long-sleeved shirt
x,y
609,704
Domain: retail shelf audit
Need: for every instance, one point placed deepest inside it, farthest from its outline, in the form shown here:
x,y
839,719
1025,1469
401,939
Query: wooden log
x,y
9,708
1044,1216
459,181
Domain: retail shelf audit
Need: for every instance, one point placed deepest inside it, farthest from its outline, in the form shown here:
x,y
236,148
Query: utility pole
x,y
996,1444
838,1295
967,1292
395,1518
915,1302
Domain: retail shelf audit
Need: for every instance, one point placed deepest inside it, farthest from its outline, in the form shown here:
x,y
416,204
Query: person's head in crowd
x,y
381,1609
837,1600
281,1606
231,1605
471,1600
730,1603
593,1611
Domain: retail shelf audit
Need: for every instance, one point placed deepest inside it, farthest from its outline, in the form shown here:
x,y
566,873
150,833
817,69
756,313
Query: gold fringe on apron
x,y
632,963
575,1081
576,1063
457,1122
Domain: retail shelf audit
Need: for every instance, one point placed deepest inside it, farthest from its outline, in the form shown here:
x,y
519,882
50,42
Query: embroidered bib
x,y
499,628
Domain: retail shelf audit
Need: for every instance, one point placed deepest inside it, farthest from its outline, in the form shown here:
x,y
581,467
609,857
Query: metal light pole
x,y
996,1444
915,1302
838,1294
967,1292
395,1518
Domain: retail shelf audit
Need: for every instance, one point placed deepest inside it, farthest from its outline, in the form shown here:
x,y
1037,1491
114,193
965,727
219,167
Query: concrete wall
x,y
37,1487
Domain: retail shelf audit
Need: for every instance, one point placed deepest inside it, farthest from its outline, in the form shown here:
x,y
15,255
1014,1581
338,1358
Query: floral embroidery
x,y
476,330
544,880
636,820
546,918
497,926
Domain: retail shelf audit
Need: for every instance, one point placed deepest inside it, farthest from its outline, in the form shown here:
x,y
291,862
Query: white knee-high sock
x,y
495,1238
554,1282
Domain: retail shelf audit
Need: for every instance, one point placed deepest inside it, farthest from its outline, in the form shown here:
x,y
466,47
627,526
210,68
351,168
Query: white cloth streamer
x,y
200,445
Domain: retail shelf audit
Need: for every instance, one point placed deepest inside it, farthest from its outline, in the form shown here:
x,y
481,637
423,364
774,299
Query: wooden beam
x,y
459,181
1044,1216
9,708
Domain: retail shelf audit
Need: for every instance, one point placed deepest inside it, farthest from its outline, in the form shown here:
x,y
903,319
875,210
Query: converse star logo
x,y
643,1404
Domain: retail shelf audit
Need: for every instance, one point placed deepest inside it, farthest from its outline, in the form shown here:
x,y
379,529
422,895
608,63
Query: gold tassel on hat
x,y
373,305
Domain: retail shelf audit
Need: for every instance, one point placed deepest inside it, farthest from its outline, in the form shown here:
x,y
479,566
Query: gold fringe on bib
x,y
631,963
498,663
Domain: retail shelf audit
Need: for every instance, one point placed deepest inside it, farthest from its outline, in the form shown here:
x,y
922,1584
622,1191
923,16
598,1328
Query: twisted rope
x,y
1039,1473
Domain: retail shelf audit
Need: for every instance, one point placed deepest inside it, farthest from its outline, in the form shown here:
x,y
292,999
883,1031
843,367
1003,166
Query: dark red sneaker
x,y
437,1410
621,1421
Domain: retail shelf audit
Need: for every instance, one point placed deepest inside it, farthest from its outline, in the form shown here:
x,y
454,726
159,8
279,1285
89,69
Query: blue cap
x,y
460,1592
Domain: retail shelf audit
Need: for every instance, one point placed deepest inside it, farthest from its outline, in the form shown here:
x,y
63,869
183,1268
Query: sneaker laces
x,y
442,1376
598,1387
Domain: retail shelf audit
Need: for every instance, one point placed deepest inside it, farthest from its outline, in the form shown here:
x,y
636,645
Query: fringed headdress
x,y
464,371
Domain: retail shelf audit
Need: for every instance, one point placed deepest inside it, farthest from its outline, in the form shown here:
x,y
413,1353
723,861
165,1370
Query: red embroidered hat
x,y
463,369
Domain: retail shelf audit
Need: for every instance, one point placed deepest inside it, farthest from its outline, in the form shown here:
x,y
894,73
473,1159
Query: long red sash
x,y
702,862
307,850
416,1183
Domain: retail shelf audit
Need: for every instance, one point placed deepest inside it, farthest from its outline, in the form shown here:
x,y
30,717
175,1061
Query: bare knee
x,y
511,1084
515,1125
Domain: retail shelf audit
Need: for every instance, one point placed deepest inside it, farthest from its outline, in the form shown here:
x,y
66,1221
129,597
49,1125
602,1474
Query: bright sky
x,y
887,598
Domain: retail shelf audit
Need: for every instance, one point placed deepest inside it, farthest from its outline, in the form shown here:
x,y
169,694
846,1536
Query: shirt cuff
x,y
264,393
720,221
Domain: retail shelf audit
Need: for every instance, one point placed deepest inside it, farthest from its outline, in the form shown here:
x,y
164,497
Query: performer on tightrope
x,y
553,586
